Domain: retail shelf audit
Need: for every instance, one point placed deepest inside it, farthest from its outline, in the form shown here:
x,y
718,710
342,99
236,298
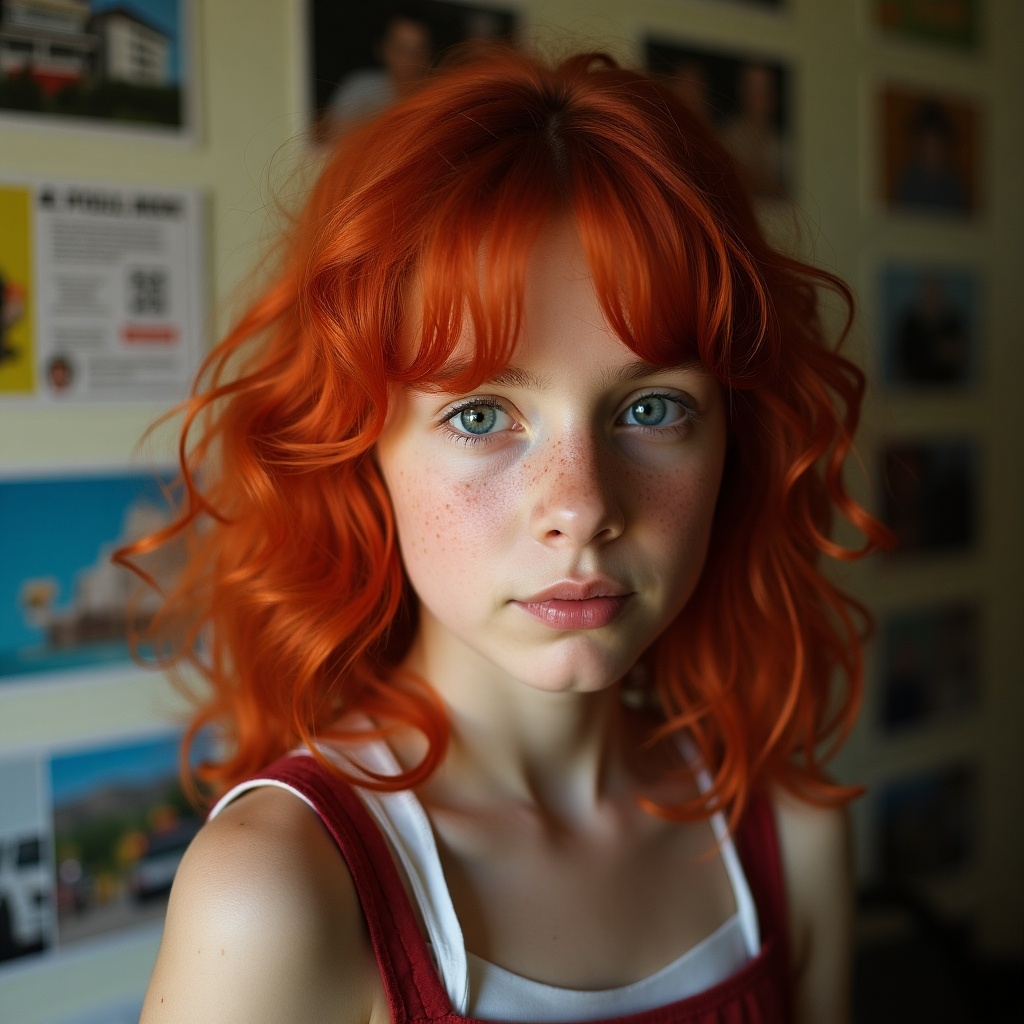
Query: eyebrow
x,y
517,377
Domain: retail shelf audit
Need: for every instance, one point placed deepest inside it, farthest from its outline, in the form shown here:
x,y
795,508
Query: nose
x,y
573,495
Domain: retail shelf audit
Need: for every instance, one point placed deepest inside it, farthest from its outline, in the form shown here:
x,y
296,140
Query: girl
x,y
515,482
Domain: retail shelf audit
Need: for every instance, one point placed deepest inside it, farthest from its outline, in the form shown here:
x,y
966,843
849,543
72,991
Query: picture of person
x,y
929,316
930,153
368,55
744,99
405,53
59,373
930,494
753,135
930,664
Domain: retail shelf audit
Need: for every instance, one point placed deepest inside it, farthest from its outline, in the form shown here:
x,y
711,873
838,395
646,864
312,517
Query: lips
x,y
572,605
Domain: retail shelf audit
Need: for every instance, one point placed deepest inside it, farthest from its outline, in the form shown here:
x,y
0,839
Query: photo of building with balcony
x,y
90,59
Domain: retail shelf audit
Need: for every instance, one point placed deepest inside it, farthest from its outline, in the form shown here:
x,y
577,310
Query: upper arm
x,y
817,863
263,925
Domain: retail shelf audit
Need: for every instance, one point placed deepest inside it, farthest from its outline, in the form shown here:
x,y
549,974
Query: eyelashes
x,y
476,417
660,414
656,411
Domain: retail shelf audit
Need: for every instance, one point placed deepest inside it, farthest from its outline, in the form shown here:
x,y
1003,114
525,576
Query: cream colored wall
x,y
251,97
251,100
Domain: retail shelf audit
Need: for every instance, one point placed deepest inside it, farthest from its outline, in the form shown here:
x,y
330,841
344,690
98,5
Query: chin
x,y
575,674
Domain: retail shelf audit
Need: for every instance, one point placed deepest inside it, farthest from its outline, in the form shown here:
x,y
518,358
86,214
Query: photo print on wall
x,y
929,494
930,153
366,54
90,840
929,327
927,822
744,98
115,63
121,822
930,661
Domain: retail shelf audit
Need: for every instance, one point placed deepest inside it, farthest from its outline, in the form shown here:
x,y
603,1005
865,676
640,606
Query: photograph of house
x,y
95,59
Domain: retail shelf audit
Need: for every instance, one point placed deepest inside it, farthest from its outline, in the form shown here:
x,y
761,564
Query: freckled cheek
x,y
446,523
675,510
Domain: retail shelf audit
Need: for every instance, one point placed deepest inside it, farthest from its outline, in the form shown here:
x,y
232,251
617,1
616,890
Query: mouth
x,y
577,605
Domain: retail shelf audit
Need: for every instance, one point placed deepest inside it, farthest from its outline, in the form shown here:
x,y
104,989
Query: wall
x,y
248,65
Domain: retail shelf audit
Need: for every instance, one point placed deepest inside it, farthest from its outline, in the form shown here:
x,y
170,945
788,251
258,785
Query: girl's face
x,y
556,519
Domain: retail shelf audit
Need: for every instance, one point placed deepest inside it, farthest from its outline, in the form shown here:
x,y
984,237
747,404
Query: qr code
x,y
148,291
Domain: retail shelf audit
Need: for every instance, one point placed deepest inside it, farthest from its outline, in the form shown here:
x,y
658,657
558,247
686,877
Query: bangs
x,y
648,198
472,266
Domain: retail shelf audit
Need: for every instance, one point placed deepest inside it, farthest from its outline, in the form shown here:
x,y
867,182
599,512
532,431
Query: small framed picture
x,y
365,54
76,64
930,665
927,822
952,23
746,99
929,326
930,495
930,153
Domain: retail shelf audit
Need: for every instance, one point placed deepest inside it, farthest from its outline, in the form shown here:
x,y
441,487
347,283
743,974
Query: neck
x,y
564,752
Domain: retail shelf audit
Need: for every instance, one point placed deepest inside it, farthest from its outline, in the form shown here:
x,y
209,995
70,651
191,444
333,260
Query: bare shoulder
x,y
817,863
264,925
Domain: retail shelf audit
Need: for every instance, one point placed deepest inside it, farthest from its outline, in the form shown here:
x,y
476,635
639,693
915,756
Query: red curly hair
x,y
294,606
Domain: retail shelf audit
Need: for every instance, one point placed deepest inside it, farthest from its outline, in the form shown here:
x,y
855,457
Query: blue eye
x,y
653,411
648,412
478,419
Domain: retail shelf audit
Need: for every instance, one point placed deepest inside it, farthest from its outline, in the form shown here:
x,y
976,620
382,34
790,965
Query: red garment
x,y
759,993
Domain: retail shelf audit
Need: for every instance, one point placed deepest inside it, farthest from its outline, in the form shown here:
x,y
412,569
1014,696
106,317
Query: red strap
x,y
757,843
411,982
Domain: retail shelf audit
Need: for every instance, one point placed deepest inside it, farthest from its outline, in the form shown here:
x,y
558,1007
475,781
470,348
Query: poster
x,y
930,327
744,98
90,63
64,606
101,292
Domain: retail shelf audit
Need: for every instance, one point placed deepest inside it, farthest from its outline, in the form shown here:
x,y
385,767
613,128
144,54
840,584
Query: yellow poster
x,y
17,356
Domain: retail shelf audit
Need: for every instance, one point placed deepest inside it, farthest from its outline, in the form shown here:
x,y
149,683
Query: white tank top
x,y
484,990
